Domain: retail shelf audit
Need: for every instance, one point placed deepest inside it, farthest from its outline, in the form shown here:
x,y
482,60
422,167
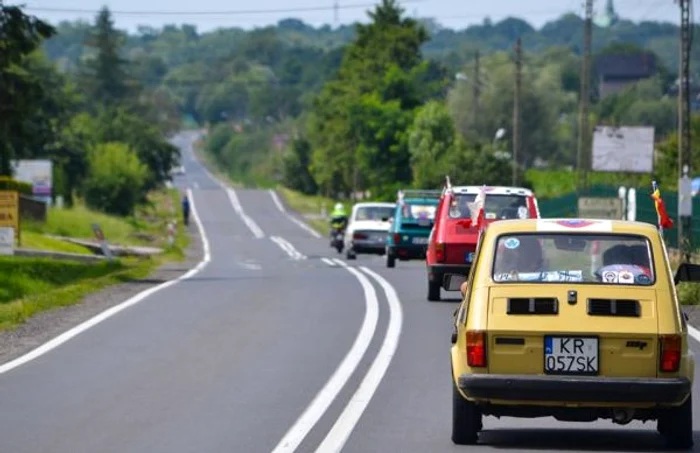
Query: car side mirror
x,y
687,272
453,282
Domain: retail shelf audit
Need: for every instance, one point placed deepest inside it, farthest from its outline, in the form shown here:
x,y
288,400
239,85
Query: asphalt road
x,y
275,345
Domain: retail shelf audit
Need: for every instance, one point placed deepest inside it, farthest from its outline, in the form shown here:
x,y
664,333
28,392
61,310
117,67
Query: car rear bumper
x,y
581,389
408,250
368,247
436,272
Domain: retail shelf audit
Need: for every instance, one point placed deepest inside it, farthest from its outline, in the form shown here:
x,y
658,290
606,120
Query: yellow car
x,y
575,319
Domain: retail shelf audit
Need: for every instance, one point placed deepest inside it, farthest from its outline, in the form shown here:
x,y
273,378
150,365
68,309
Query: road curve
x,y
276,345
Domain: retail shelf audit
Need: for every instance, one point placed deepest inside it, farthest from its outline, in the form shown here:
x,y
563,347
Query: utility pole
x,y
684,196
335,12
516,107
583,151
476,90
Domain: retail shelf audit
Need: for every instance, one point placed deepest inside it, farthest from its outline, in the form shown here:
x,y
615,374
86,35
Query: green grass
x,y
32,285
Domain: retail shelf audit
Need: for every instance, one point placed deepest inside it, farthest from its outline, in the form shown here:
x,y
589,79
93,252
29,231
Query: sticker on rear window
x,y
625,277
522,212
512,243
643,279
610,277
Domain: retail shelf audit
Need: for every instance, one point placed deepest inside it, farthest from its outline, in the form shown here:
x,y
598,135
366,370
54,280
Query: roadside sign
x,y
7,241
9,210
99,235
600,208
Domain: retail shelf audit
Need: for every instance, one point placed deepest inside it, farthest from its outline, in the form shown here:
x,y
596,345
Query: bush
x,y
116,179
13,184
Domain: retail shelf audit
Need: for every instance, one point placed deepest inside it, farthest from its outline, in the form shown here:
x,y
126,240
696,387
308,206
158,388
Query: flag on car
x,y
476,210
664,220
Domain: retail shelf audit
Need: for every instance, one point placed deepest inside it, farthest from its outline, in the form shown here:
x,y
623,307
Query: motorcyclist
x,y
339,219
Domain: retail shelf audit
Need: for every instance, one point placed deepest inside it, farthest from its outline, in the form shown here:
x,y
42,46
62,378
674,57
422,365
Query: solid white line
x,y
297,254
695,333
288,248
80,328
328,262
301,224
277,201
313,413
250,223
343,427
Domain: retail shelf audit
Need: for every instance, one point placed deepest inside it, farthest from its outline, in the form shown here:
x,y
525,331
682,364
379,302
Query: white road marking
x,y
250,223
695,333
288,248
196,185
250,266
80,328
313,413
328,262
343,427
301,224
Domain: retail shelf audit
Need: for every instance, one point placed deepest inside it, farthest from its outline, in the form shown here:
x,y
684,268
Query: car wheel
x,y
350,254
390,259
466,419
676,425
433,291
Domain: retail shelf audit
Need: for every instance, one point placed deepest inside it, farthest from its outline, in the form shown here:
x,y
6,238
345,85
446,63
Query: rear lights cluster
x,y
440,252
476,348
670,356
360,236
397,238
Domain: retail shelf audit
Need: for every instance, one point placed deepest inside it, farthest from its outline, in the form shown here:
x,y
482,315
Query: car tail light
x,y
397,238
670,359
359,236
476,348
440,252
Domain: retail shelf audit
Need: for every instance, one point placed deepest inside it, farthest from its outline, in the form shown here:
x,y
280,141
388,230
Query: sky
x,y
211,14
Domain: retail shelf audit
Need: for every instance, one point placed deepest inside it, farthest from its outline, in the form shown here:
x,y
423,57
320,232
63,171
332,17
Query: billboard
x,y
38,173
623,149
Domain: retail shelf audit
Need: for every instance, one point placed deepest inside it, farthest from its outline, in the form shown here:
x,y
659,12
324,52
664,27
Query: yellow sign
x,y
9,210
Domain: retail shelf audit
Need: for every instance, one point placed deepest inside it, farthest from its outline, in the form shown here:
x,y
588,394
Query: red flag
x,y
664,220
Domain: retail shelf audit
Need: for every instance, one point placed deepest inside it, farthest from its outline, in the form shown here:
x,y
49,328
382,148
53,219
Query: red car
x,y
453,239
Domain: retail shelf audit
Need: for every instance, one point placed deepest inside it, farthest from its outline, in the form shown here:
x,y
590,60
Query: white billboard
x,y
38,173
623,149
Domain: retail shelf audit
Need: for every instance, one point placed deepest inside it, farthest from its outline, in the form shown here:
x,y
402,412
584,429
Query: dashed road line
x,y
302,225
250,223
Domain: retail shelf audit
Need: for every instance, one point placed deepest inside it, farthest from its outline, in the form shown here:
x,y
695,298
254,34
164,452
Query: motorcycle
x,y
337,241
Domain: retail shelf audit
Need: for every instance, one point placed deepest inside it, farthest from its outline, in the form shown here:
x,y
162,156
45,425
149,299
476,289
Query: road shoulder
x,y
49,324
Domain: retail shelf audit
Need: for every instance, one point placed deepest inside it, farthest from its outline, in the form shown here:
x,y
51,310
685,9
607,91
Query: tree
x,y
20,92
115,179
431,140
104,74
296,167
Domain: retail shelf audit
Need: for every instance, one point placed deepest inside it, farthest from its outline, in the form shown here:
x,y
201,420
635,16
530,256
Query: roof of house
x,y
638,66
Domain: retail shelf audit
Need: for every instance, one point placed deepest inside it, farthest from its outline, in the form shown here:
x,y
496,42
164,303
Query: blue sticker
x,y
512,243
643,279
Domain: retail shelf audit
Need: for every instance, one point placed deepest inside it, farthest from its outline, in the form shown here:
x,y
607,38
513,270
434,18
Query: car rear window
x,y
585,258
499,207
416,211
374,212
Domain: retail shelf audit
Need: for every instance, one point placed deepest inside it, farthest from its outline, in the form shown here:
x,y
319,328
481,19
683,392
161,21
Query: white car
x,y
178,171
368,228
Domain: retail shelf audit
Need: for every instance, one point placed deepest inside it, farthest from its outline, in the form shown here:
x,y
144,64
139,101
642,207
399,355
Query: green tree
x,y
296,167
20,92
115,179
104,73
431,141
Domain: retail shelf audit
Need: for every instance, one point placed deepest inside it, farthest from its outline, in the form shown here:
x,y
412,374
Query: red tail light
x,y
476,348
440,252
670,358
359,236
397,238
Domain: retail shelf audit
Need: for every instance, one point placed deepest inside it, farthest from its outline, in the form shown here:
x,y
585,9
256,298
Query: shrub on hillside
x,y
116,179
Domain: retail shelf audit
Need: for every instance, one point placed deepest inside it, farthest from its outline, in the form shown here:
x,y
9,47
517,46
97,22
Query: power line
x,y
210,13
684,158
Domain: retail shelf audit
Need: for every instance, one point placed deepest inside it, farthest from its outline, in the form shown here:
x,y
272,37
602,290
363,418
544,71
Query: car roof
x,y
572,226
493,190
373,204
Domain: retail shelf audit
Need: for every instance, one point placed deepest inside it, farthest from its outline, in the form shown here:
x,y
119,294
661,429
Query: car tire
x,y
390,259
676,425
466,419
350,254
433,291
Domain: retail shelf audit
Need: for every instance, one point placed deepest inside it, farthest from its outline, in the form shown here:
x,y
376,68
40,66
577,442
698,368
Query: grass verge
x,y
309,207
31,285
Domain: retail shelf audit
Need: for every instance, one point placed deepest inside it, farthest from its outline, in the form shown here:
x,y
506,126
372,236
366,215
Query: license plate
x,y
469,257
420,240
570,355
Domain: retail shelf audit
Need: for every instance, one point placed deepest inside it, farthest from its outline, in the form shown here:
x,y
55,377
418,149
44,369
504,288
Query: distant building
x,y
616,71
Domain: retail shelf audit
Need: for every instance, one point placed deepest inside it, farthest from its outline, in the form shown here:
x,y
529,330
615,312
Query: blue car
x,y
411,225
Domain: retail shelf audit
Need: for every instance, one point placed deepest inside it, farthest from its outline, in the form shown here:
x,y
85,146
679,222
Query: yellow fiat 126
x,y
575,319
